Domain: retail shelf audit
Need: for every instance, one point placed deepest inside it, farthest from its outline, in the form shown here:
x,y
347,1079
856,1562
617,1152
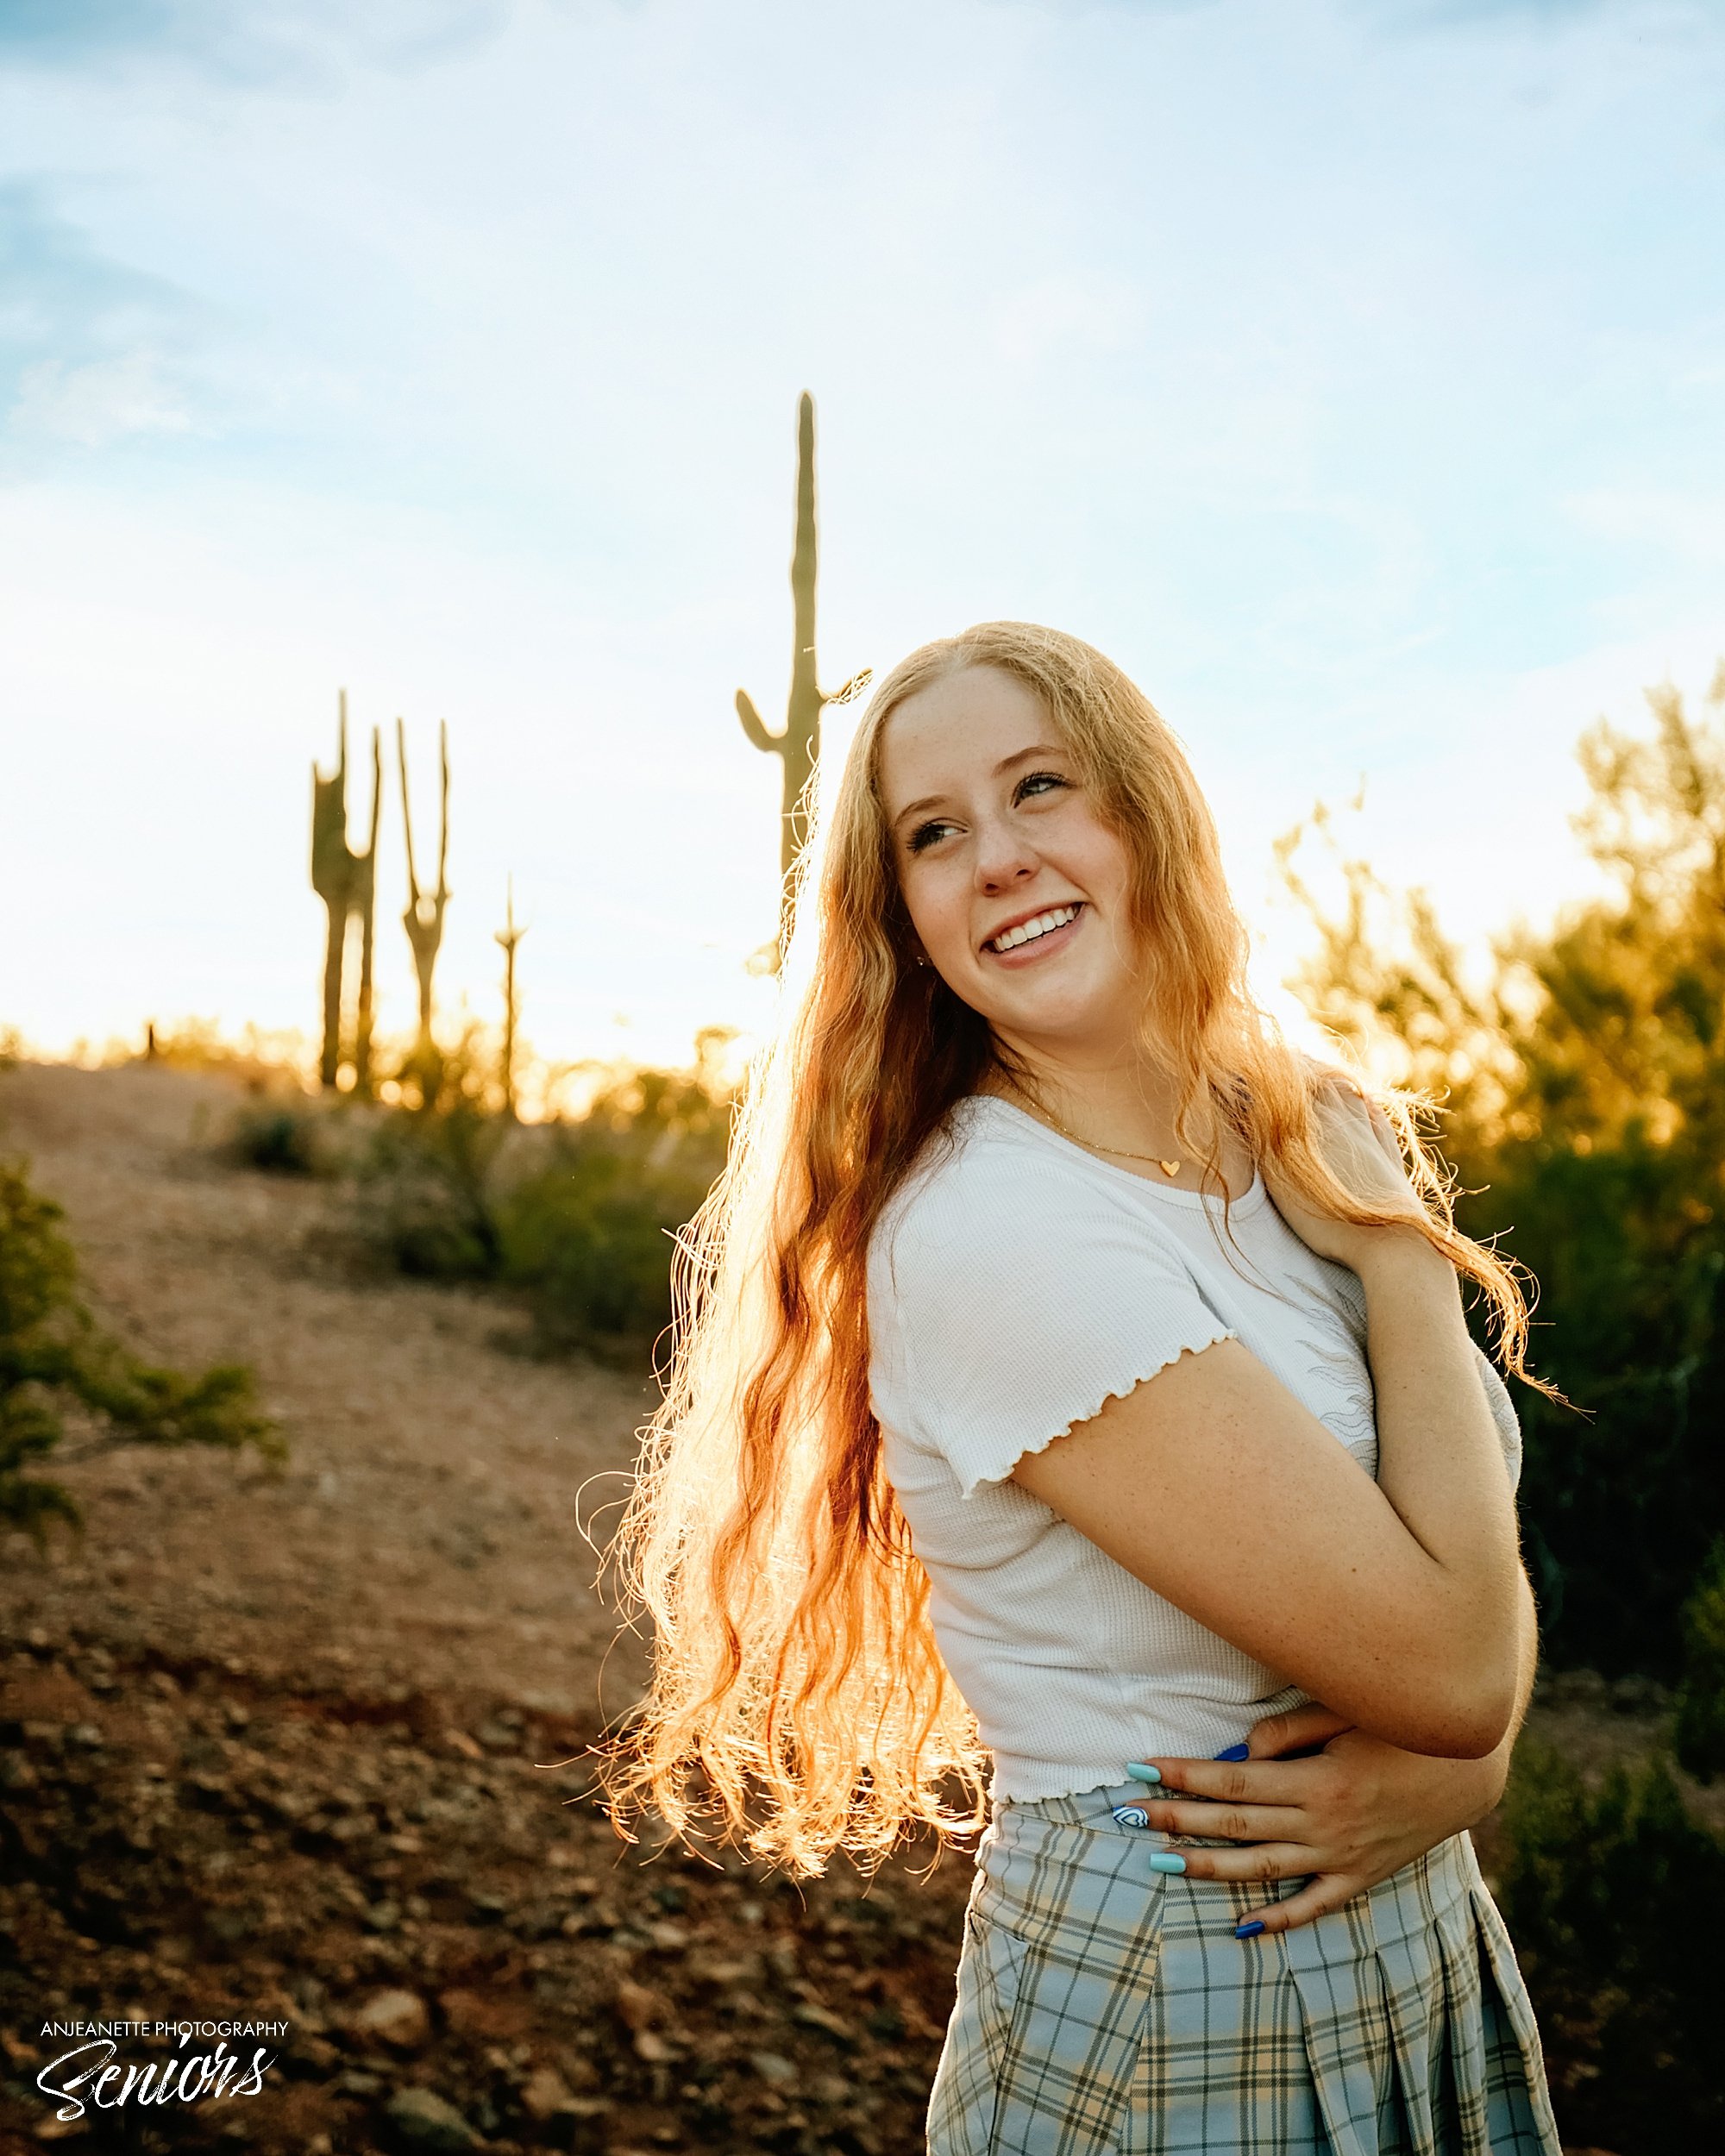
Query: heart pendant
x,y
1168,1167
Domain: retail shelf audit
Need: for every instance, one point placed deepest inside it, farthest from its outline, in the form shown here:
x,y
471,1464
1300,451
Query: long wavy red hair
x,y
799,1703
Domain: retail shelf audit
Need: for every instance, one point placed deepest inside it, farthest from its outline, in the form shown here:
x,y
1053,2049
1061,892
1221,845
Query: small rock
x,y
826,2020
396,2017
86,1735
544,2094
423,2120
772,2066
227,1924
670,1938
636,2007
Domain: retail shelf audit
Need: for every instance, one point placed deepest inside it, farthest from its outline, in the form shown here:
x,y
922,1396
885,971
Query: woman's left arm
x,y
1342,1819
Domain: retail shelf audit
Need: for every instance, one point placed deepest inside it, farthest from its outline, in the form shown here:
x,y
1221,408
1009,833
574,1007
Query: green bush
x,y
1616,1899
430,1192
1632,1275
430,1182
53,1357
281,1140
1584,1082
587,1235
575,1218
1699,1734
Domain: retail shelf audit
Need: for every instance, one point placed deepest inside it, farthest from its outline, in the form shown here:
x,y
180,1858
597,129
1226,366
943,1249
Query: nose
x,y
1004,857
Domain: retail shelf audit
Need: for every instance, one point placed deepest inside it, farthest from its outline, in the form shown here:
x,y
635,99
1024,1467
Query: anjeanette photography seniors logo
x,y
91,2073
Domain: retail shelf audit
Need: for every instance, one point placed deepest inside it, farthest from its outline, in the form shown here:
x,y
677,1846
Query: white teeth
x,y
1027,932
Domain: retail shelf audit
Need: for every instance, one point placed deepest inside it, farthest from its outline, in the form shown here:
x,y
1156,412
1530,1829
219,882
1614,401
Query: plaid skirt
x,y
1106,2009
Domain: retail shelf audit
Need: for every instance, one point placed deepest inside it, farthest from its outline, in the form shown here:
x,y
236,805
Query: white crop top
x,y
1015,1283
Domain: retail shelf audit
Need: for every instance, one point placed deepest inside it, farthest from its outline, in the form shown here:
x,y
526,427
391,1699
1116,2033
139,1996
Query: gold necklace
x,y
1169,1168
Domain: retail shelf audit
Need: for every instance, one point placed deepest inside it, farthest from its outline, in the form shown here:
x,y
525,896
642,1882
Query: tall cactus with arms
x,y
799,745
424,919
345,882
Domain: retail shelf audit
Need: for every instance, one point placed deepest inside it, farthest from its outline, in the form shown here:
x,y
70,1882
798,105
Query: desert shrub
x,y
1585,1085
430,1195
430,1182
575,1219
1616,1899
261,1058
588,1233
1699,1735
1632,1274
279,1138
55,1359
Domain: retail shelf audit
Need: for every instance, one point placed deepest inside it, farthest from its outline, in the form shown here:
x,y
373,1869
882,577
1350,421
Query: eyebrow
x,y
1006,763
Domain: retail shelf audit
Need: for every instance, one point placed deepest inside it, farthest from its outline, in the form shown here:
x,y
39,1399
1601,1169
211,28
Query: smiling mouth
x,y
1032,931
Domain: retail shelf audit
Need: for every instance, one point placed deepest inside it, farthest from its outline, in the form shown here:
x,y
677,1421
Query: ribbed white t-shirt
x,y
1017,1282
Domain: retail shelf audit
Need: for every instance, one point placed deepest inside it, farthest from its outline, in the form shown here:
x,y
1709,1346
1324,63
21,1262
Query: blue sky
x,y
1352,371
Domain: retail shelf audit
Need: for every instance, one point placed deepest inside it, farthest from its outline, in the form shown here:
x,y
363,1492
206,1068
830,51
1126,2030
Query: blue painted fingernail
x,y
1132,1815
1236,1751
1165,1860
1140,1772
1248,1931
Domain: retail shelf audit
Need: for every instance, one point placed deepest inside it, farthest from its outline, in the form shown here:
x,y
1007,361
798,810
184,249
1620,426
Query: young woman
x,y
1073,1379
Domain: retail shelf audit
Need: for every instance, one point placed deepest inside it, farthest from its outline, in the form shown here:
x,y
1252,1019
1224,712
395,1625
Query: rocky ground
x,y
308,1750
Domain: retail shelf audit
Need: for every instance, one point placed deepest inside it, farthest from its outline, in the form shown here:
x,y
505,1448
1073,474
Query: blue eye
x,y
1038,779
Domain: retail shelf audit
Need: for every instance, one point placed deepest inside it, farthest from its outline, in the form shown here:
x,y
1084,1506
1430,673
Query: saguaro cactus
x,y
509,936
345,882
365,905
424,919
799,745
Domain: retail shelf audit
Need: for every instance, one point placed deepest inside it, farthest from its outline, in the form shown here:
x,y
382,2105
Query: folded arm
x,y
1394,1602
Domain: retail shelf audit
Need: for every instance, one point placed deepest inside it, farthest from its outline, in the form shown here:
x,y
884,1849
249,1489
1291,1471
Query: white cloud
x,y
100,403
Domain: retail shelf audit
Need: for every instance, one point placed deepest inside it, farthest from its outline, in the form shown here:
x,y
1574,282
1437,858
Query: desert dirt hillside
x,y
306,1749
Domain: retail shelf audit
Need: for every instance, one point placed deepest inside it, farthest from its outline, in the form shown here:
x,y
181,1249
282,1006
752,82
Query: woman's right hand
x,y
1358,1143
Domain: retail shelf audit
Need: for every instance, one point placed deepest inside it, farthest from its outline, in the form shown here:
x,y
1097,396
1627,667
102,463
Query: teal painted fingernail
x,y
1140,1772
1165,1860
1248,1931
1236,1751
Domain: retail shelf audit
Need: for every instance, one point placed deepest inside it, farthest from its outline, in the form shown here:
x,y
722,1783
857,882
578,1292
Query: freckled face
x,y
1015,887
